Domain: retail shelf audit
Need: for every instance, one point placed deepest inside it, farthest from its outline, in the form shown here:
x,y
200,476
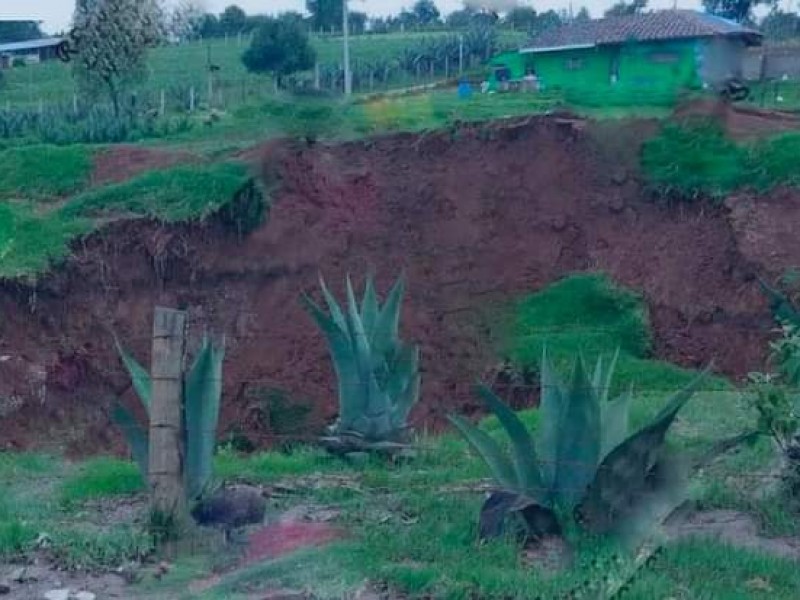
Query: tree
x,y
208,26
547,20
280,47
522,18
780,25
425,12
232,20
460,19
735,10
622,8
357,22
19,31
111,39
582,15
326,15
186,20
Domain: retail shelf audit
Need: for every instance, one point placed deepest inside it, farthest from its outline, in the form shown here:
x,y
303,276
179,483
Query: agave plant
x,y
582,463
201,401
378,373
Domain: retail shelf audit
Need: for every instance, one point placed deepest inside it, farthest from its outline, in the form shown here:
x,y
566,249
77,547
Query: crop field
x,y
407,345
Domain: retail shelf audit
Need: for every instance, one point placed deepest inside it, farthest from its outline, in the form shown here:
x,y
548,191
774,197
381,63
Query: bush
x,y
692,161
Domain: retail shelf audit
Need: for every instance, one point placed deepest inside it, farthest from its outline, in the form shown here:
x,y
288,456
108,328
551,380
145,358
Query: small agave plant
x,y
201,401
582,465
378,373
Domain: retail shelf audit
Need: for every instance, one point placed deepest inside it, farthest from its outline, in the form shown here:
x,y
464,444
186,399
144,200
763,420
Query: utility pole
x,y
348,87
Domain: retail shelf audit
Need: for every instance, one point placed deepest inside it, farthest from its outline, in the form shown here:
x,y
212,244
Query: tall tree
x,y
111,39
280,47
735,10
521,18
186,20
233,20
582,16
357,22
622,8
425,12
781,25
326,15
460,18
19,31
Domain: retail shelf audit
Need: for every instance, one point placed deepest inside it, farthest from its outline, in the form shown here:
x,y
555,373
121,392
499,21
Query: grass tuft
x,y
44,171
102,477
184,193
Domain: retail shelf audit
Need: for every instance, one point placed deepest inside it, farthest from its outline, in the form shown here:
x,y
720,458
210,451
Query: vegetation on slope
x,y
183,193
43,171
697,160
588,313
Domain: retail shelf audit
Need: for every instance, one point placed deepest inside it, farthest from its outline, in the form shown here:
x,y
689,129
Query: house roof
x,y
30,44
654,26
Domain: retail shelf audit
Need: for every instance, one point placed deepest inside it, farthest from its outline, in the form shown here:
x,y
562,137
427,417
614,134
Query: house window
x,y
573,64
666,58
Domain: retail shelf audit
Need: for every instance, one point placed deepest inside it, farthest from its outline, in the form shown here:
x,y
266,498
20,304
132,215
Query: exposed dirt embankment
x,y
473,216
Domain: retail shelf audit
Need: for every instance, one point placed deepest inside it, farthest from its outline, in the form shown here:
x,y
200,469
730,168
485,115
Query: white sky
x,y
56,13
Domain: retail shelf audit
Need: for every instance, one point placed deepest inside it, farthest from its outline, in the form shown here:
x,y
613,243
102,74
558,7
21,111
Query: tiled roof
x,y
661,25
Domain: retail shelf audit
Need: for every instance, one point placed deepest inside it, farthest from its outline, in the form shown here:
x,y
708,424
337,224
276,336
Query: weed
x,y
102,477
42,172
191,192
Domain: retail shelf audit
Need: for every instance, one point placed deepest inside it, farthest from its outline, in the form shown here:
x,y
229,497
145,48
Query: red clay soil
x,y
278,539
474,218
119,163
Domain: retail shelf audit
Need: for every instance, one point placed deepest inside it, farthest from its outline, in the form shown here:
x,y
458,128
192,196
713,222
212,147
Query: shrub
x,y
692,161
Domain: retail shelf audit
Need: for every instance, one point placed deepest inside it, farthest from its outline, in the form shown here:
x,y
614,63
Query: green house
x,y
648,56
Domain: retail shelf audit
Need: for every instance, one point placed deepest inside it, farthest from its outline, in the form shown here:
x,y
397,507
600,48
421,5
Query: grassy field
x,y
176,68
412,526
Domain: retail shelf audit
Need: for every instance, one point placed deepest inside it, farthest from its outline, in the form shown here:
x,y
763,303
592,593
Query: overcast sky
x,y
56,13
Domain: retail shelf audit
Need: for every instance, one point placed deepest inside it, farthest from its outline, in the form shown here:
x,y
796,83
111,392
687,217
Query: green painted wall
x,y
655,70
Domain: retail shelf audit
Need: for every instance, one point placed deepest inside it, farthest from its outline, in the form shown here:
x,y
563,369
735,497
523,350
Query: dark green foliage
x,y
189,192
272,410
281,47
43,171
92,124
247,210
696,160
581,459
19,31
692,161
584,312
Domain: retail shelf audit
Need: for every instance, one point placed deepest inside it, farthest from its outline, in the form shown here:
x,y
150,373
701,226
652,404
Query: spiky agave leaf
x,y
403,385
491,453
376,402
370,308
615,417
140,378
506,512
135,435
552,406
386,327
628,473
351,401
579,439
202,393
523,453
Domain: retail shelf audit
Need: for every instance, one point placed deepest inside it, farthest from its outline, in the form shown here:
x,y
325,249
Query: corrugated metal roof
x,y
660,25
30,44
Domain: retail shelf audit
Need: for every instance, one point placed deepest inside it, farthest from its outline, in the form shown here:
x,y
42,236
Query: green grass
x,y
43,172
101,477
30,243
590,315
266,467
181,193
690,161
697,160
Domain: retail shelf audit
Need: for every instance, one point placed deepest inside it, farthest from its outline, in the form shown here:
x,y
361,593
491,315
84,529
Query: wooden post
x,y
163,104
191,99
166,416
316,76
75,104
